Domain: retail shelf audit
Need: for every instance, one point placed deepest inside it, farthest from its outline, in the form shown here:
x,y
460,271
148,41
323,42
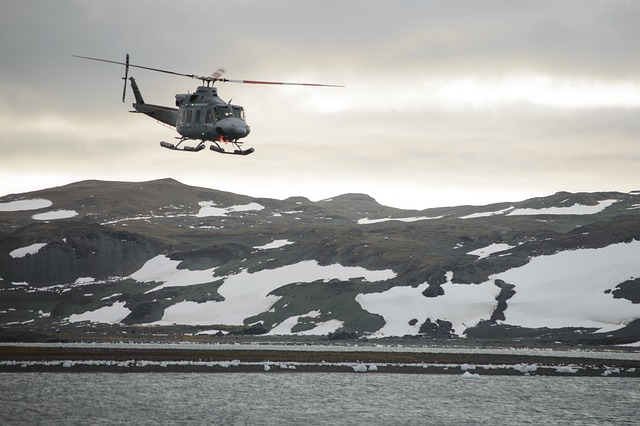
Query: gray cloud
x,y
392,132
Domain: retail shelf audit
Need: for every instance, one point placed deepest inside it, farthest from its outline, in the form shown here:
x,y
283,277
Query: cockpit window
x,y
238,112
223,111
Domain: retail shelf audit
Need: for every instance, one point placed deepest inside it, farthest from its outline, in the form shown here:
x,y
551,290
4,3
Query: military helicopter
x,y
200,116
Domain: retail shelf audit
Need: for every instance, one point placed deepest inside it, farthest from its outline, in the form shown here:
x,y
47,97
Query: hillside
x,y
559,268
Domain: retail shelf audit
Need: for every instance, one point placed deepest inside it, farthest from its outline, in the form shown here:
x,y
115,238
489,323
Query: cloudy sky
x,y
446,102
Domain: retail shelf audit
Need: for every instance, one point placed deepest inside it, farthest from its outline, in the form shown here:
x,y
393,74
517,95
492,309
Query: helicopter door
x,y
186,117
188,122
208,117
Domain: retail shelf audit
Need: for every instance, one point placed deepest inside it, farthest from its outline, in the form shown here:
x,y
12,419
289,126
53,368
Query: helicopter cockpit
x,y
223,111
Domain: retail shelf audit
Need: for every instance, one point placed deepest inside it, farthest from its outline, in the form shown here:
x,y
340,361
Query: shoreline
x,y
138,358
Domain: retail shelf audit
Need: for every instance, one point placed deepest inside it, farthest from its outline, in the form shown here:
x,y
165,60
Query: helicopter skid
x,y
221,150
173,147
200,147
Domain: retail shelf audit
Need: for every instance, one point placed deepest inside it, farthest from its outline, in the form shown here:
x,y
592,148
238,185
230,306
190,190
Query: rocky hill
x,y
559,268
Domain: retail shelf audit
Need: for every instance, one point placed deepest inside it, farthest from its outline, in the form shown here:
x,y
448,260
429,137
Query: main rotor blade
x,y
213,78
283,83
140,66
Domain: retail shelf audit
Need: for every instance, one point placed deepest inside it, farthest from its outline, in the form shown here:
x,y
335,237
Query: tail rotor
x,y
126,75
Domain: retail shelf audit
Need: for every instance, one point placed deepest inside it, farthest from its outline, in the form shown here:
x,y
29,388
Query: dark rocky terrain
x,y
94,260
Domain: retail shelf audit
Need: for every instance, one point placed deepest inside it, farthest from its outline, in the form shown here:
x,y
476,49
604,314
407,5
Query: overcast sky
x,y
446,102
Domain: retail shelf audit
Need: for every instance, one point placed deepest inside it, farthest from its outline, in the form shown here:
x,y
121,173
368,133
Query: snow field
x,y
247,294
462,305
567,289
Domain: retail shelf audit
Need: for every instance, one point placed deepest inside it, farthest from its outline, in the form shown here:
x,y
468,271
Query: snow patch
x,y
367,221
211,332
108,314
23,251
20,205
567,370
576,209
207,209
489,250
320,329
274,245
55,215
486,214
164,270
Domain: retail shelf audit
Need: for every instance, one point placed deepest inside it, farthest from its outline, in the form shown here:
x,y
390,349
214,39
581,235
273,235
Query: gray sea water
x,y
313,399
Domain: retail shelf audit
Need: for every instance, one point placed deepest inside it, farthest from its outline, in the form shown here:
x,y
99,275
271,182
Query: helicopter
x,y
200,116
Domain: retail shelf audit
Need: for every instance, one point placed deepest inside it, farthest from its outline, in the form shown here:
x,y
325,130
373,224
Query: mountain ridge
x,y
162,253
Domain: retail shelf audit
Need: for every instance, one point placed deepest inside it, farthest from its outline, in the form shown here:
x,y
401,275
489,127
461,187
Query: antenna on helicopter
x,y
126,74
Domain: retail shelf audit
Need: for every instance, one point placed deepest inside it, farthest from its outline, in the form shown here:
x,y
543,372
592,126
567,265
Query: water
x,y
313,398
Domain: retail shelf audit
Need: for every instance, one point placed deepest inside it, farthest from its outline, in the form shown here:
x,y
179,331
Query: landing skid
x,y
173,147
215,147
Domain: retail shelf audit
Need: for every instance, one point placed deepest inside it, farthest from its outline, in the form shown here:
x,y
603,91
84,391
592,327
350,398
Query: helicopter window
x,y
223,111
189,116
238,112
198,113
209,117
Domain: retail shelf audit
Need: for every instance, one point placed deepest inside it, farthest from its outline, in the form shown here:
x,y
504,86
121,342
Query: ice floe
x,y
360,368
30,249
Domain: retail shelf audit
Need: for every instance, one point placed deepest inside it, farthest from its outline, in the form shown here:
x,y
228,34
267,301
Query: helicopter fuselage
x,y
199,116
203,115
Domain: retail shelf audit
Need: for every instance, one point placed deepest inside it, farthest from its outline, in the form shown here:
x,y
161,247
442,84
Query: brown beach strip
x,y
85,359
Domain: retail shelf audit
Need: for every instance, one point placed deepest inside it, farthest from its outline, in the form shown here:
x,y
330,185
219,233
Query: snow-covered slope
x,y
564,267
